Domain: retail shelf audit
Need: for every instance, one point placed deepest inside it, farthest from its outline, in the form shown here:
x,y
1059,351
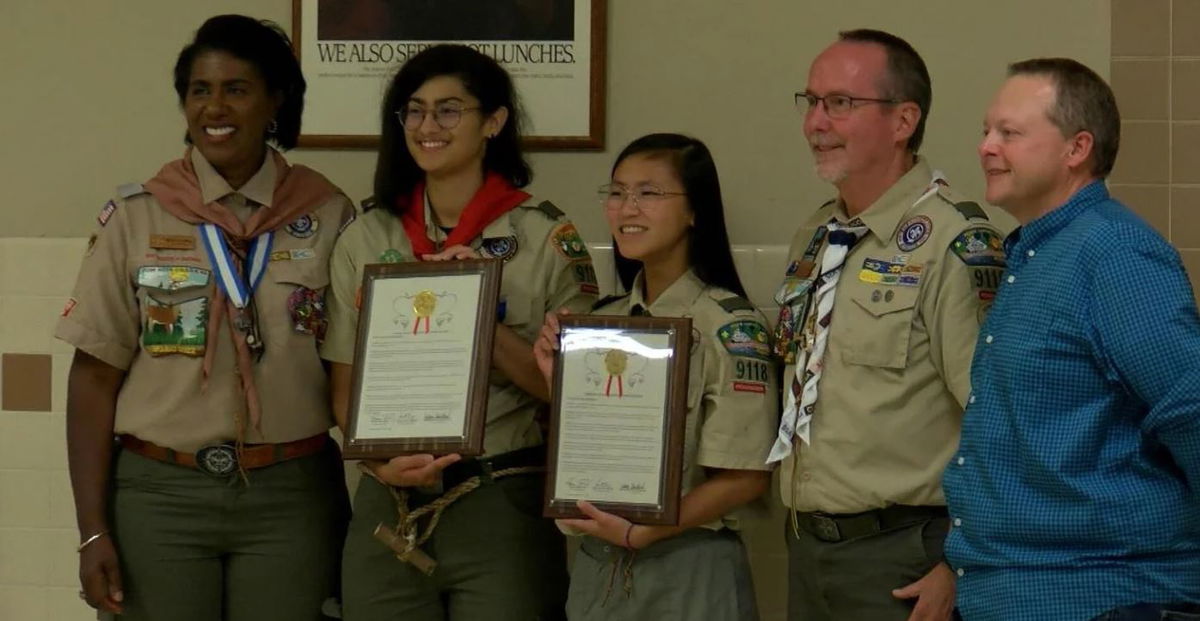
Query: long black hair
x,y
396,172
709,254
261,43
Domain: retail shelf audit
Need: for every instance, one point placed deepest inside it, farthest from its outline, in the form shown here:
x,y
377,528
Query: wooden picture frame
x,y
596,418
420,379
349,50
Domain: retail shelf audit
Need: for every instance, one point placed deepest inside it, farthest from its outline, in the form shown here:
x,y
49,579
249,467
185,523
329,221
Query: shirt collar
x,y
1041,229
678,298
883,216
213,187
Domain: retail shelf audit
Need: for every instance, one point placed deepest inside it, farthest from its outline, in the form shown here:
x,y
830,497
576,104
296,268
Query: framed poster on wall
x,y
554,50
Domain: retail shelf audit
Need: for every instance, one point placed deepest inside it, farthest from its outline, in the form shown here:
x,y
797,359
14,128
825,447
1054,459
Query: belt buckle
x,y
218,460
827,528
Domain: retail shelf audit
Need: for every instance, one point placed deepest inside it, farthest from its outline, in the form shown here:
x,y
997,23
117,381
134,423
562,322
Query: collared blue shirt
x,y
1076,488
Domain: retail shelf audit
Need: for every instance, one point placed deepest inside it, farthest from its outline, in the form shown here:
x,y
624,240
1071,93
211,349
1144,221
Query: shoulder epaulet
x,y
608,299
130,190
734,303
971,210
547,208
367,204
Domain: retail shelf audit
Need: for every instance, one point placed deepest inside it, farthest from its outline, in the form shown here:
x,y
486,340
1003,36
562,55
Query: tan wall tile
x,y
29,321
1141,27
62,501
24,602
32,440
24,498
39,267
1141,88
63,604
1143,155
1151,202
64,560
1185,90
25,559
1185,217
1185,153
1185,28
25,386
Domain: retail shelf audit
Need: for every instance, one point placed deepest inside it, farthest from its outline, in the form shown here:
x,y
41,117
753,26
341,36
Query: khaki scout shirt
x,y
143,298
733,397
896,373
546,266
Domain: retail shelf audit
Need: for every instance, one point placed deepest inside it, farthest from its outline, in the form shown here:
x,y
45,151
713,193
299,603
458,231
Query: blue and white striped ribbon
x,y
222,261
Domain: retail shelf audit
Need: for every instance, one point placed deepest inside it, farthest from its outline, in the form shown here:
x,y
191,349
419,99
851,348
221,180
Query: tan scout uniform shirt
x,y
546,267
733,398
143,298
896,372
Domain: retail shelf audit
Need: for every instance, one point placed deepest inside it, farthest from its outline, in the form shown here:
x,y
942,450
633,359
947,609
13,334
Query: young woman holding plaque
x,y
196,319
672,253
447,187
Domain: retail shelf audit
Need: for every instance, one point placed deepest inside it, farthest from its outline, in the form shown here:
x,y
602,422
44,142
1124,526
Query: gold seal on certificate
x,y
422,358
619,407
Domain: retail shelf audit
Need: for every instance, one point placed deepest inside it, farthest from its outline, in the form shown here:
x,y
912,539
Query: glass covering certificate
x,y
422,358
619,405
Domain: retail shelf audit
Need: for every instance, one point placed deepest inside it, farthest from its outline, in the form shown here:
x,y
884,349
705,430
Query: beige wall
x,y
90,94
88,105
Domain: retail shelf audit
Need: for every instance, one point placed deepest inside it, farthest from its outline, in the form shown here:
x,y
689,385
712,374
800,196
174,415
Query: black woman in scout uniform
x,y
446,188
665,214
196,319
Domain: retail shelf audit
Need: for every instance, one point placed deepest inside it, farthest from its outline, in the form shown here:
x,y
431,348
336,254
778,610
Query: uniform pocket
x,y
882,325
307,282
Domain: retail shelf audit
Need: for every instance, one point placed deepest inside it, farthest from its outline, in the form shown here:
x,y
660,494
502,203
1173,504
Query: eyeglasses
x,y
447,117
837,106
613,195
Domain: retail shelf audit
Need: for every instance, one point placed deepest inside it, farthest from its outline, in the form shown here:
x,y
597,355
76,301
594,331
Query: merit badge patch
x,y
568,243
914,233
745,338
106,212
175,328
391,255
499,247
979,247
303,227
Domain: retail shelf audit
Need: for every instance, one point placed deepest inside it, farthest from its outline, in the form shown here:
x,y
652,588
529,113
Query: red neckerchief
x,y
495,198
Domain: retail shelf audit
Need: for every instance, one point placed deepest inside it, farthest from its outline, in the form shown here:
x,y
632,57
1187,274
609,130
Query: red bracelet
x,y
628,531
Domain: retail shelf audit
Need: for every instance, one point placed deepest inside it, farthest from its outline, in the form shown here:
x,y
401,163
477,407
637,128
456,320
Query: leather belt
x,y
832,528
223,459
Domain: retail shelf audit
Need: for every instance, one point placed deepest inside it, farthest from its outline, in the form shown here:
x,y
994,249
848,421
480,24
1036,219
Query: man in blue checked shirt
x,y
1075,493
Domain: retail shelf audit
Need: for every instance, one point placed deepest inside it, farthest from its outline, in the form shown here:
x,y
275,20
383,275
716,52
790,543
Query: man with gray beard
x,y
879,311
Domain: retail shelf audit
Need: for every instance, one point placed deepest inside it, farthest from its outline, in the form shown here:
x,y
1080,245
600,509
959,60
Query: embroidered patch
x,y
568,243
784,346
980,246
750,387
175,328
880,272
307,310
295,254
499,247
172,242
814,244
303,227
748,370
391,255
70,306
172,277
745,338
106,212
914,233
986,278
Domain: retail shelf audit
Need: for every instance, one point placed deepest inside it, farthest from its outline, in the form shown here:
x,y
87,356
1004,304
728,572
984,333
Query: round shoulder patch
x,y
914,233
499,247
979,246
746,338
303,227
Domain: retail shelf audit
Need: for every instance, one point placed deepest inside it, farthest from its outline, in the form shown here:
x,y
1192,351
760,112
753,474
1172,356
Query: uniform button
x,y
988,339
957,521
971,400
1011,279
608,548
1031,252
960,572
807,476
962,460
